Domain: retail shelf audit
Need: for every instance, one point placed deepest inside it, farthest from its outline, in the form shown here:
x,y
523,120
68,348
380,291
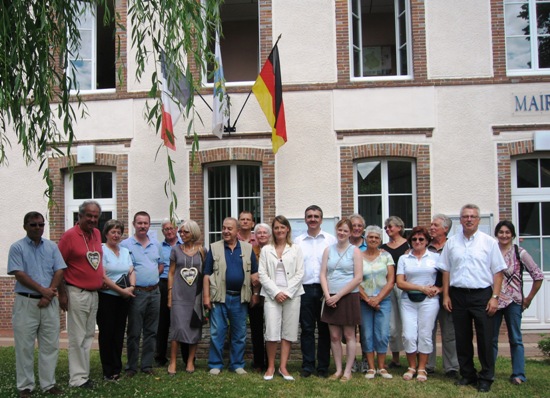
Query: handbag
x,y
416,296
123,282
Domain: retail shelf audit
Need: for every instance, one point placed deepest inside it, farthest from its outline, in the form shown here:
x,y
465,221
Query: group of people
x,y
317,287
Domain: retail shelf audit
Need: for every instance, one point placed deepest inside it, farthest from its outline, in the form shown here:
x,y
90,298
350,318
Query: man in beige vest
x,y
230,267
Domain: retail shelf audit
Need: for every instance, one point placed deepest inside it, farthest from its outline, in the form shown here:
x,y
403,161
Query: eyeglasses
x,y
167,229
37,224
469,217
418,239
388,226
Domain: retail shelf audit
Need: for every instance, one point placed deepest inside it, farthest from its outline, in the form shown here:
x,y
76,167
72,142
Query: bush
x,y
544,346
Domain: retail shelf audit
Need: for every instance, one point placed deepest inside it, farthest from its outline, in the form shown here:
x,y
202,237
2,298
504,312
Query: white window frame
x,y
71,205
533,35
92,14
385,195
207,84
354,18
234,199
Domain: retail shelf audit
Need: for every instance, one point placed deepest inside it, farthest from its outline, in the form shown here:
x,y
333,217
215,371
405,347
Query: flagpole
x,y
250,92
202,98
241,111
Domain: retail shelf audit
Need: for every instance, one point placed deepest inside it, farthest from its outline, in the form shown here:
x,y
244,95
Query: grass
x,y
227,384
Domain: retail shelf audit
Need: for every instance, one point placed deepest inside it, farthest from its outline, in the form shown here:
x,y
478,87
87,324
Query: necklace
x,y
189,274
93,257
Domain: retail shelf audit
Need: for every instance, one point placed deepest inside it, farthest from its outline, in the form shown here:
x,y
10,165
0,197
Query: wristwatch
x,y
495,296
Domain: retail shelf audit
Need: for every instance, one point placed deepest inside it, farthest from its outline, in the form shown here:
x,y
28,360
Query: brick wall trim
x,y
420,153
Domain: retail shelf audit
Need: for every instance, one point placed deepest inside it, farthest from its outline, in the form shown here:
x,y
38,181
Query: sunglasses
x,y
36,224
418,239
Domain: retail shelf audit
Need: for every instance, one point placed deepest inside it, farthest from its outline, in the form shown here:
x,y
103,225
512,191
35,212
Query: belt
x,y
33,296
232,293
147,288
468,290
78,287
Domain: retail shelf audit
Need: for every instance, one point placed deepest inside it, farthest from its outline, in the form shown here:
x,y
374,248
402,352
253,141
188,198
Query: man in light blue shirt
x,y
143,315
38,268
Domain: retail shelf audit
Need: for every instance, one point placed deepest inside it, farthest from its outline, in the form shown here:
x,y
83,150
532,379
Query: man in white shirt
x,y
313,243
472,268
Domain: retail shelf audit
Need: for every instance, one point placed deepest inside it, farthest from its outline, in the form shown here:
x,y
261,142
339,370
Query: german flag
x,y
268,90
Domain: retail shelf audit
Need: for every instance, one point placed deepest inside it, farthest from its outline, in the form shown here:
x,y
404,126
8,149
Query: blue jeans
x,y
143,316
512,314
375,327
310,316
231,314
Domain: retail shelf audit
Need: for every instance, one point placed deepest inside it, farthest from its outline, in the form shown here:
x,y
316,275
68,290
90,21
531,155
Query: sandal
x,y
516,381
384,373
422,375
370,374
409,374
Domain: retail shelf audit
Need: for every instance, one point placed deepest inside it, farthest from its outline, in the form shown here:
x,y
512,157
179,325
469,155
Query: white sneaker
x,y
384,373
240,371
215,371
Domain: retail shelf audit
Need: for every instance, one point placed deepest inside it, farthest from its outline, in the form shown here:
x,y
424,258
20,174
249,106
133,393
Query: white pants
x,y
29,323
418,323
81,320
281,320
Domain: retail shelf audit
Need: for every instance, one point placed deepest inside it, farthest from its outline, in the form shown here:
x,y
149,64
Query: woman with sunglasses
x,y
185,295
416,276
397,246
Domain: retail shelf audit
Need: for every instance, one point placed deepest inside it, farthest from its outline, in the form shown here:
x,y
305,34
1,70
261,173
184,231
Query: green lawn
x,y
201,384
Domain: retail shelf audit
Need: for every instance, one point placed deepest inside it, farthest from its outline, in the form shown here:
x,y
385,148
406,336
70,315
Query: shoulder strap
x,y
202,253
516,248
521,267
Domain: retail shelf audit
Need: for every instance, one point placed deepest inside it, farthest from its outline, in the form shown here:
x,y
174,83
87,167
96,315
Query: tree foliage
x,y
40,102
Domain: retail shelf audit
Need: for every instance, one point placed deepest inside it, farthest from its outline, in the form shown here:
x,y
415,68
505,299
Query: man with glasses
x,y
472,268
439,229
143,315
81,249
171,239
38,268
313,243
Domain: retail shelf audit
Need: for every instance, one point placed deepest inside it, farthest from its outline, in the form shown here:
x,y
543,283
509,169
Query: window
x,y
240,43
386,188
230,189
93,64
531,198
527,26
85,185
381,38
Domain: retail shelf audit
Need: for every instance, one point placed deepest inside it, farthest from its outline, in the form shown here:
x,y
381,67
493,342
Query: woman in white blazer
x,y
281,271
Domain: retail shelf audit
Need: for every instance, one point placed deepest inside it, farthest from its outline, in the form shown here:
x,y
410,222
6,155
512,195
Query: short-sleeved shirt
x,y
145,259
165,250
375,273
512,283
420,272
471,262
74,246
40,262
116,266
234,274
313,248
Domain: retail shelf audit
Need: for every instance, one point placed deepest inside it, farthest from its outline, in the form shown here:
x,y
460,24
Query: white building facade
x,y
393,107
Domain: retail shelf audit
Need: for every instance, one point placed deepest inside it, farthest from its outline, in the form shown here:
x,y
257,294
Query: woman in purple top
x,y
511,302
